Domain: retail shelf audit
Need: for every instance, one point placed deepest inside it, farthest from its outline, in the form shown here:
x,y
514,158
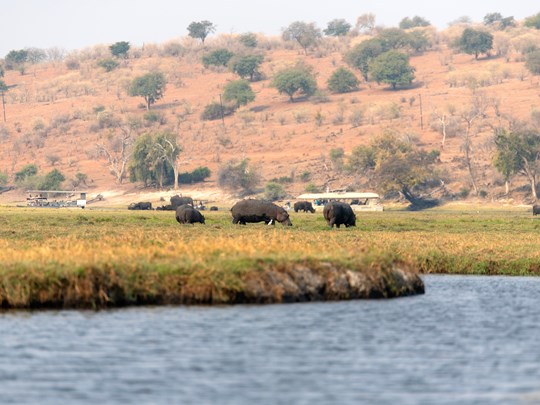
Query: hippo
x,y
177,201
186,214
259,211
338,213
536,209
140,206
305,206
213,208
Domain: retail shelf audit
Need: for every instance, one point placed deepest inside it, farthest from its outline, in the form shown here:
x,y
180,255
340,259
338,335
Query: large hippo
x,y
536,209
177,201
143,205
186,214
305,206
258,211
338,213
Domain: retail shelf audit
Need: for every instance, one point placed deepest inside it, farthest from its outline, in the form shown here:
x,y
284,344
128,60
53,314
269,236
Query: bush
x,y
342,81
52,180
27,171
274,191
219,57
108,64
312,188
196,176
282,180
155,117
533,62
214,110
3,178
238,176
533,21
248,39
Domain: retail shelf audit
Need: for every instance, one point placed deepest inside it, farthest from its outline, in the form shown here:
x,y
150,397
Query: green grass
x,y
52,255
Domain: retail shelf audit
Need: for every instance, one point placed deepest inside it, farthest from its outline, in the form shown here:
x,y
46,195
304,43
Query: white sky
x,y
74,24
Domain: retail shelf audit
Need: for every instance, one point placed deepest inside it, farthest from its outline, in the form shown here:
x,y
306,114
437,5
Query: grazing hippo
x,y
338,213
213,208
259,211
536,209
140,206
177,201
186,214
305,206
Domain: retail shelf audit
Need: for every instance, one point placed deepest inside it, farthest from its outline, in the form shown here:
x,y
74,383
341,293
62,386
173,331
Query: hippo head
x,y
202,219
283,217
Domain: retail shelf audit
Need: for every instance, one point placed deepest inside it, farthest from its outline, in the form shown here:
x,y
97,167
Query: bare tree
x,y
168,150
118,151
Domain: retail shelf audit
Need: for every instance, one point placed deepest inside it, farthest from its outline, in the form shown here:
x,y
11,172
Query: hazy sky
x,y
73,24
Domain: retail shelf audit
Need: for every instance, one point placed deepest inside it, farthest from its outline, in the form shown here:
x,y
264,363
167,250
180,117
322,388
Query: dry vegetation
x,y
59,111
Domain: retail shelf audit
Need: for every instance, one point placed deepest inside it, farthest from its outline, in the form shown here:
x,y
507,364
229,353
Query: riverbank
x,y
72,258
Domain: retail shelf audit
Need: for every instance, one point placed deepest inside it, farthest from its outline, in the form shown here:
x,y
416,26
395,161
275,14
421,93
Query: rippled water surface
x,y
468,340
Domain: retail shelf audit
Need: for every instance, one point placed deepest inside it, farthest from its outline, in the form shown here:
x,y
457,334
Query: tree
x,y
304,34
52,180
239,92
416,21
16,58
393,38
365,22
27,171
235,175
337,28
418,40
150,86
108,64
297,79
247,66
168,151
532,62
392,67
117,150
120,49
362,54
533,21
492,18
274,191
519,153
219,57
342,81
396,165
200,30
248,39
3,89
475,42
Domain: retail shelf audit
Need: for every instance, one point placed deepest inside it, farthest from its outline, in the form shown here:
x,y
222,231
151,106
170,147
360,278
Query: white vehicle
x,y
358,201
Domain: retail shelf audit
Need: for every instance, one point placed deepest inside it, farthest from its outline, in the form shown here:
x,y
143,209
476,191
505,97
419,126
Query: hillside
x,y
57,112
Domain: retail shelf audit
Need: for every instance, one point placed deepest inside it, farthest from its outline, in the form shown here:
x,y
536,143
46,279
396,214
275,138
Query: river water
x,y
468,340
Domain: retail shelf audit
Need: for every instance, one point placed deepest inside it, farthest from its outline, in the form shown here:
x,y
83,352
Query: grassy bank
x,y
86,258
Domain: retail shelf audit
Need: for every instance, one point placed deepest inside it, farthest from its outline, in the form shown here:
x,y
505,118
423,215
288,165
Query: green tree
x,y
149,86
362,54
418,40
16,58
416,21
52,180
297,79
474,42
337,28
108,64
393,38
247,66
236,175
200,30
532,62
392,67
396,165
492,18
342,81
120,49
3,178
274,191
148,163
519,153
219,57
27,171
239,92
306,35
248,39
533,21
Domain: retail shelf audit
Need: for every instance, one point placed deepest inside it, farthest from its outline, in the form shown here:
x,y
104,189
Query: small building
x,y
56,198
358,201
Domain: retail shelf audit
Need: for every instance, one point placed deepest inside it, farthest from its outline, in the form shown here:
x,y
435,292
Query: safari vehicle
x,y
358,201
55,198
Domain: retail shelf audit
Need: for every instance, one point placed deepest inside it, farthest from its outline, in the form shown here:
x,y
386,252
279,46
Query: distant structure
x,y
55,198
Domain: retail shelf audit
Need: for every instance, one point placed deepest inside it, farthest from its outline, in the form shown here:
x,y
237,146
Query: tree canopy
x,y
532,62
337,28
533,21
416,21
247,66
342,81
218,57
474,42
362,54
150,86
305,34
236,175
239,92
392,67
120,49
200,30
248,39
297,79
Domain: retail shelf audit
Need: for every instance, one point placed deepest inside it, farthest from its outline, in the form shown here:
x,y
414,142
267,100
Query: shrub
x,y
108,64
305,176
282,180
155,117
52,180
196,176
274,191
219,57
312,188
27,171
533,62
342,81
73,64
238,176
248,39
3,178
214,111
